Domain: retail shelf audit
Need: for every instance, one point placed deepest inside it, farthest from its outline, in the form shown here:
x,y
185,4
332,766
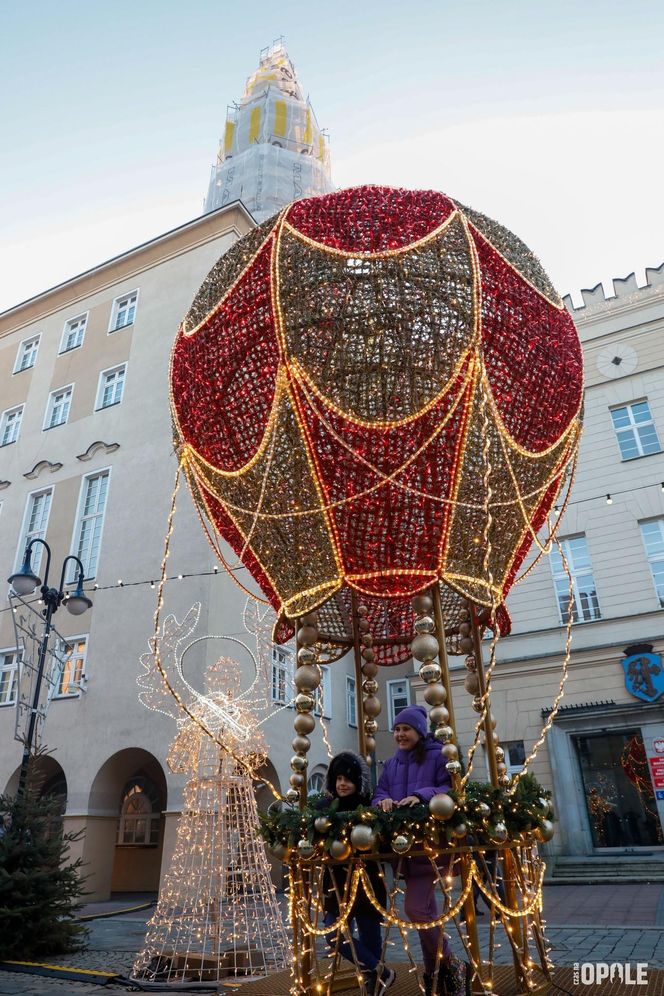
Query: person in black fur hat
x,y
348,781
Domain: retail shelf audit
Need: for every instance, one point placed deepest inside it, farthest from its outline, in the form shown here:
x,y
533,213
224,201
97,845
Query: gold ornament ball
x,y
307,678
371,706
306,656
483,809
402,842
362,610
371,727
363,626
422,603
501,767
505,779
298,763
367,640
311,619
305,848
301,744
370,686
472,683
478,705
454,767
450,751
464,614
442,806
304,723
425,624
466,644
322,823
464,629
362,837
340,850
546,830
369,669
430,672
444,734
307,636
304,702
369,654
435,694
460,830
296,780
370,744
424,647
292,795
500,754
544,805
470,662
439,715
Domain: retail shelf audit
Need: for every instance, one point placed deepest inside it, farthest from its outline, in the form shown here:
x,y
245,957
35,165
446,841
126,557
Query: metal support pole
x,y
357,653
51,606
492,760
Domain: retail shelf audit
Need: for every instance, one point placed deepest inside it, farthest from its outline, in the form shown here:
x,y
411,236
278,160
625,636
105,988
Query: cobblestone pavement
x,y
600,923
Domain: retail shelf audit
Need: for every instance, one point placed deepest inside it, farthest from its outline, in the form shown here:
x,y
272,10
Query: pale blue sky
x,y
547,116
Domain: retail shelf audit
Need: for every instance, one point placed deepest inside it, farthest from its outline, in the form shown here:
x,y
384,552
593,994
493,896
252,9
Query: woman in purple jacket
x,y
414,774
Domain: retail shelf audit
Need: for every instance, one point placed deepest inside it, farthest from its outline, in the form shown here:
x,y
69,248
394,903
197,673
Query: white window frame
x,y
281,672
25,537
67,330
128,822
633,427
50,405
4,422
101,387
22,350
561,576
351,701
317,773
78,525
513,768
391,697
12,670
654,558
324,692
79,670
115,310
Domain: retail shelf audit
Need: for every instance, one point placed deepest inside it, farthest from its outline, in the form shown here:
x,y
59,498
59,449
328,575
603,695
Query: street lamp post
x,y
24,582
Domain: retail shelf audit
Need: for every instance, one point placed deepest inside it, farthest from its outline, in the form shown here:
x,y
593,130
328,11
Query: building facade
x,y
604,754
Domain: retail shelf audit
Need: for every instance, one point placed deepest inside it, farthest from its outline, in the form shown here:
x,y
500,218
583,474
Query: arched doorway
x,y
264,798
125,829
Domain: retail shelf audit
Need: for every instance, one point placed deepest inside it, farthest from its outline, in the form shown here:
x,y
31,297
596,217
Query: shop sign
x,y
657,771
644,674
658,745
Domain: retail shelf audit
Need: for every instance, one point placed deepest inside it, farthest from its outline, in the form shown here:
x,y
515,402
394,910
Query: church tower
x,y
273,151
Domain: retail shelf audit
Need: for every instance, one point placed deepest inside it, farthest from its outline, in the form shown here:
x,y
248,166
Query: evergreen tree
x,y
40,888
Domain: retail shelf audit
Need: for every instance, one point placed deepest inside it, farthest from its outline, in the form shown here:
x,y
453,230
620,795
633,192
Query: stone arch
x,y
316,779
50,777
264,798
125,824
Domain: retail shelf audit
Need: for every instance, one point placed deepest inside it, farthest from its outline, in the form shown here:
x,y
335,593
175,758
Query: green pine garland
x,y
484,807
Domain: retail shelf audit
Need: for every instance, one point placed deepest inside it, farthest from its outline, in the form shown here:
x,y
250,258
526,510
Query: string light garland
x,y
310,415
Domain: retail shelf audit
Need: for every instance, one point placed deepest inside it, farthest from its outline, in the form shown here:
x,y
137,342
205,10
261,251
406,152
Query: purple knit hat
x,y
415,716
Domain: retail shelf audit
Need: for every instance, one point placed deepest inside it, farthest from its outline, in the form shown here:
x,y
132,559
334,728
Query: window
x,y
10,425
27,354
90,521
323,694
111,386
73,332
71,666
57,410
124,311
635,430
351,701
139,813
653,540
8,677
583,605
316,783
34,526
282,675
398,697
515,756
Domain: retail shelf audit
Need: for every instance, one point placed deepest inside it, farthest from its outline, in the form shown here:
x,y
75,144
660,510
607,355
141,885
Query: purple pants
x,y
421,905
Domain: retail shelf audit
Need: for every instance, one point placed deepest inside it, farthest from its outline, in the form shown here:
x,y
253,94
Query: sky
x,y
547,116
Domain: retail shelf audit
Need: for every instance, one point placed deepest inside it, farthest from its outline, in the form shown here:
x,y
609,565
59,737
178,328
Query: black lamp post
x,y
24,582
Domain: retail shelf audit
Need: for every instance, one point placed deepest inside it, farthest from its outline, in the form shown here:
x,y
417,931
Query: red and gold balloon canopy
x,y
377,390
